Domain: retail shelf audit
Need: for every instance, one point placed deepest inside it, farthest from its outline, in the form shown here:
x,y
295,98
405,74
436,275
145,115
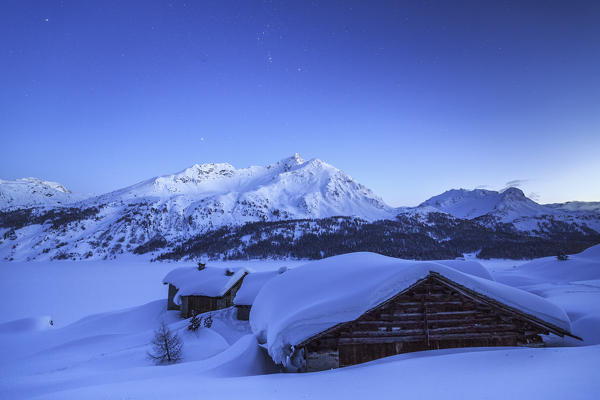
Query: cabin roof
x,y
315,297
210,281
252,285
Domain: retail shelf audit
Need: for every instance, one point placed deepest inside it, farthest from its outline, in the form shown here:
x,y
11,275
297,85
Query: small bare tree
x,y
166,346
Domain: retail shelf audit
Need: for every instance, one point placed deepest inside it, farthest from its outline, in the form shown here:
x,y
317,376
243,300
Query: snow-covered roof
x,y
468,267
312,298
252,285
210,281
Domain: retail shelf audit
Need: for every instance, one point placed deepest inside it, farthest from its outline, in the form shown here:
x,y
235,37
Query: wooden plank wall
x,y
430,316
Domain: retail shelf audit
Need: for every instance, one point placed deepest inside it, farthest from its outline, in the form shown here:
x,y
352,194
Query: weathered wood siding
x,y
430,315
243,312
202,304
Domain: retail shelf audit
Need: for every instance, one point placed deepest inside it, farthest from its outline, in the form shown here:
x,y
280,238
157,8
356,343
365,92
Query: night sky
x,y
409,98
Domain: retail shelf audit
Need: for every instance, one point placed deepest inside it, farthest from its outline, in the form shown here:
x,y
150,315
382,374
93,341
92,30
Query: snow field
x,y
97,348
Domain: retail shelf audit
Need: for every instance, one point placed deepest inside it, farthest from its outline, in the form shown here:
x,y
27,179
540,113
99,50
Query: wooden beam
x,y
419,338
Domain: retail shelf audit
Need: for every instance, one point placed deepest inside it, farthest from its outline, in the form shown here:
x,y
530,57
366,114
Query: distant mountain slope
x,y
263,211
175,207
577,206
509,206
216,194
33,192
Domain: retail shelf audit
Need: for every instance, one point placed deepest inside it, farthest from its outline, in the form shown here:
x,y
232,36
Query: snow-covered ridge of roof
x,y
468,267
252,285
312,298
210,281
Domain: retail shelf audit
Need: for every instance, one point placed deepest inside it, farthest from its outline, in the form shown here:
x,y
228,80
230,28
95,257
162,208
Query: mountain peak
x,y
52,185
33,192
296,159
289,163
507,204
513,193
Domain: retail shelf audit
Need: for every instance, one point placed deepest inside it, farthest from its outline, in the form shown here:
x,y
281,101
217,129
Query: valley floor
x,y
105,314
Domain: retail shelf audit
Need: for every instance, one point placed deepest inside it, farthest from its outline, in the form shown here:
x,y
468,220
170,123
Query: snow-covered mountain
x,y
203,204
172,208
508,206
33,192
577,206
217,194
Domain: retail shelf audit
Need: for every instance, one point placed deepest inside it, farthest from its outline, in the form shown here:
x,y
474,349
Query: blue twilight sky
x,y
410,98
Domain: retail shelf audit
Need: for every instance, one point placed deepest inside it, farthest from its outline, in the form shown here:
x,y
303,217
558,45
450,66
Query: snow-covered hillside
x,y
40,220
508,206
173,208
33,192
218,194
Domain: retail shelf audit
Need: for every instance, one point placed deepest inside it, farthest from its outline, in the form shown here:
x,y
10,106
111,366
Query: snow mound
x,y
243,358
592,252
315,297
27,325
210,281
584,266
252,285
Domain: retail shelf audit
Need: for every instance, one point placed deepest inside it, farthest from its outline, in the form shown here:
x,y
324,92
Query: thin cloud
x,y
534,196
515,183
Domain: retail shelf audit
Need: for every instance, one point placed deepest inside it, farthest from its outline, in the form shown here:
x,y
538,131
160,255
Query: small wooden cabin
x,y
252,284
196,290
358,307
433,313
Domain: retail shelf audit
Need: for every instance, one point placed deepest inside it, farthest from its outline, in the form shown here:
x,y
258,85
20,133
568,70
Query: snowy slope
x,y
103,356
160,213
508,206
584,266
577,206
289,189
172,208
33,192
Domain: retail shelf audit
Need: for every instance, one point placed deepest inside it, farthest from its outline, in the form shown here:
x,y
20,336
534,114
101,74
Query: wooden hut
x,y
202,289
434,313
388,308
252,284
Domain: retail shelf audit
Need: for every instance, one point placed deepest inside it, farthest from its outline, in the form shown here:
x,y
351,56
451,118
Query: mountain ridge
x,y
160,212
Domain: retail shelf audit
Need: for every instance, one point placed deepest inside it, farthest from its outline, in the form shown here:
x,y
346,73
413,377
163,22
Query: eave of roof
x,y
463,290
